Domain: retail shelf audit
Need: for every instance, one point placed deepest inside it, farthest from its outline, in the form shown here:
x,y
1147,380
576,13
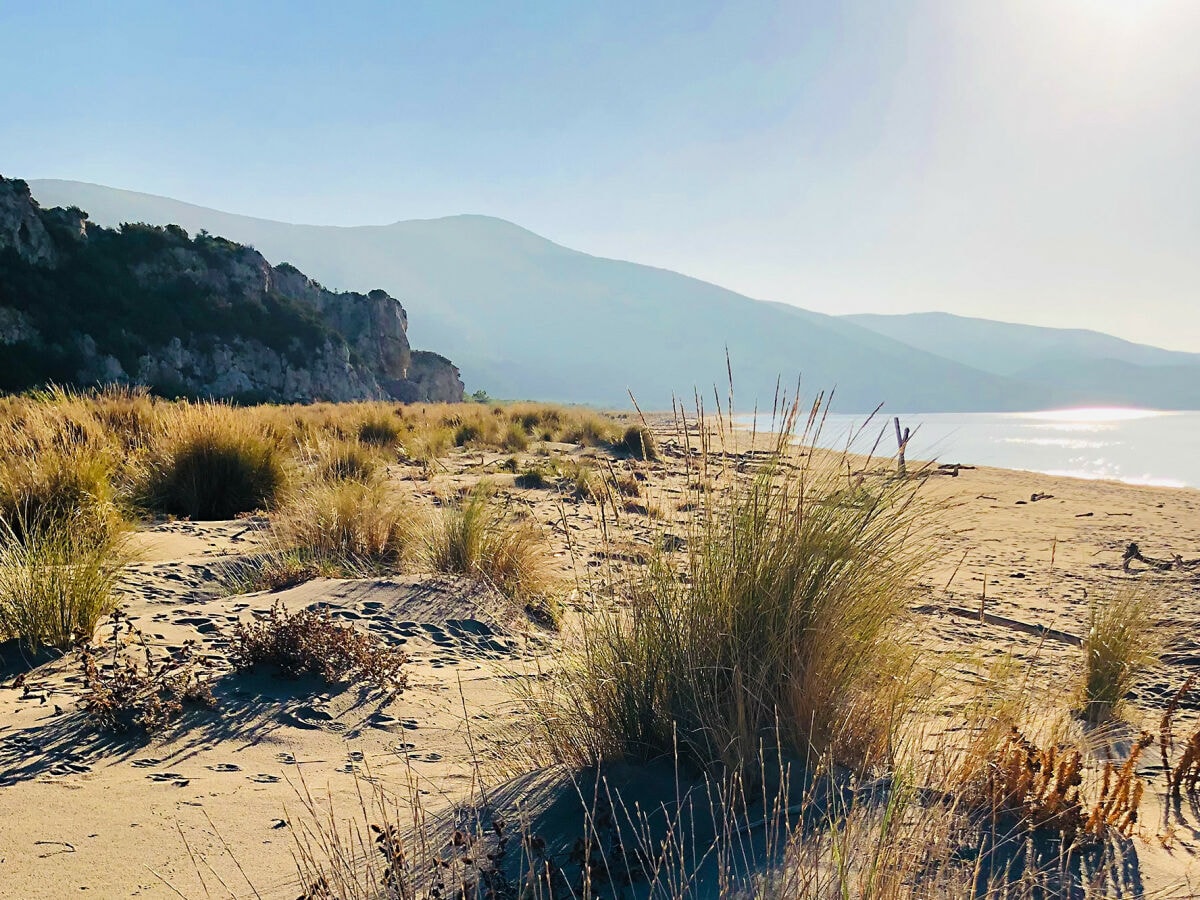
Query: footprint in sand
x,y
263,778
202,624
286,758
224,767
146,762
310,718
460,627
172,778
70,767
383,721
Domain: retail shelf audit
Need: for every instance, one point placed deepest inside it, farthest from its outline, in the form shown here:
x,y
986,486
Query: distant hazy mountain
x,y
1005,348
1076,365
525,317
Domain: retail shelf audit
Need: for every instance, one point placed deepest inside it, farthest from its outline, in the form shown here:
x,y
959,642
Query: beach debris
x,y
1038,495
951,469
902,445
1134,553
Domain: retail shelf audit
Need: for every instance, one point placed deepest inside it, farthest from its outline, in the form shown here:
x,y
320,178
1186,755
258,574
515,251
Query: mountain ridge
x,y
526,317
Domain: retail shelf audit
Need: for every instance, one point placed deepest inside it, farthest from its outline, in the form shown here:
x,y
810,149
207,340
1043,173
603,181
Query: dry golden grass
x,y
782,630
57,463
211,461
1121,641
358,524
56,583
475,538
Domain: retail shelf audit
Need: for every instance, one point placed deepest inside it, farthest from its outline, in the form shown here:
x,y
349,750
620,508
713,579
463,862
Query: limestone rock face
x,y
21,227
199,316
436,378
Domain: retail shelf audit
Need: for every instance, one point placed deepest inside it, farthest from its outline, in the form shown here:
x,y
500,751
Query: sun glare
x,y
1094,414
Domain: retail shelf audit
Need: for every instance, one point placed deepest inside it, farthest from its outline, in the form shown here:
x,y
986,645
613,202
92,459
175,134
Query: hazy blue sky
x,y
1033,161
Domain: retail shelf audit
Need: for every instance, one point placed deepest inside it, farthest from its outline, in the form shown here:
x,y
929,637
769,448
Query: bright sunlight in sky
x,y
1025,160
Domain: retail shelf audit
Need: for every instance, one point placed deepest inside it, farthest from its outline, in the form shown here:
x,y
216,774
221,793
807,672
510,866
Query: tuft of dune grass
x,y
212,462
56,583
1122,640
638,442
355,522
474,538
781,629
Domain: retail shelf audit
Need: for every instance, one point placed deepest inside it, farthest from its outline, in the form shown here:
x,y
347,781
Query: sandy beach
x,y
218,804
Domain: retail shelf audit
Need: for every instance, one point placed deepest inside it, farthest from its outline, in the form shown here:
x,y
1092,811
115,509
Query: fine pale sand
x,y
215,807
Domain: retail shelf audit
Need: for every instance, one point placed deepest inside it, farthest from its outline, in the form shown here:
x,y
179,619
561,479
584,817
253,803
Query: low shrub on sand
x,y
1121,641
309,642
125,696
212,463
56,583
474,538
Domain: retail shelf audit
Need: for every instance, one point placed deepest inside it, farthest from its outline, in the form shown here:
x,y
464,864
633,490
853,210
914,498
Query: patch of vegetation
x,y
638,442
1121,641
783,632
123,696
1033,789
347,461
533,478
56,583
212,464
353,524
475,539
310,642
60,461
379,431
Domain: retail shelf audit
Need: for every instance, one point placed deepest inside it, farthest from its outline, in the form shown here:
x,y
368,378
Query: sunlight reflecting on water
x,y
1137,446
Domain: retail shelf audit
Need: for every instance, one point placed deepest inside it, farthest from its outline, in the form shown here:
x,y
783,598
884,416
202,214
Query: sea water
x,y
1137,446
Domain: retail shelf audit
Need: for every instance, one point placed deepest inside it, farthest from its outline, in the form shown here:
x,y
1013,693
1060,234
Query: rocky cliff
x,y
201,316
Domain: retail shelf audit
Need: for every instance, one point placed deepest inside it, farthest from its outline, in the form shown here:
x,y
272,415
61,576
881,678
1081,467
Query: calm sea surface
x,y
1138,446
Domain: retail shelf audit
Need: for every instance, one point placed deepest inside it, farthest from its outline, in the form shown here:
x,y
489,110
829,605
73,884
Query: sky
x,y
1027,160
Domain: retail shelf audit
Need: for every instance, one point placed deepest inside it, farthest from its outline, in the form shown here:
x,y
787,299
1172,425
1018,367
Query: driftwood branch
x,y
1134,553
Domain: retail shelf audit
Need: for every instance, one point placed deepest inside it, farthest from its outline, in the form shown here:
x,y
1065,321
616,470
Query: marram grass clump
x,y
637,442
782,629
474,538
1122,640
56,583
212,463
358,524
